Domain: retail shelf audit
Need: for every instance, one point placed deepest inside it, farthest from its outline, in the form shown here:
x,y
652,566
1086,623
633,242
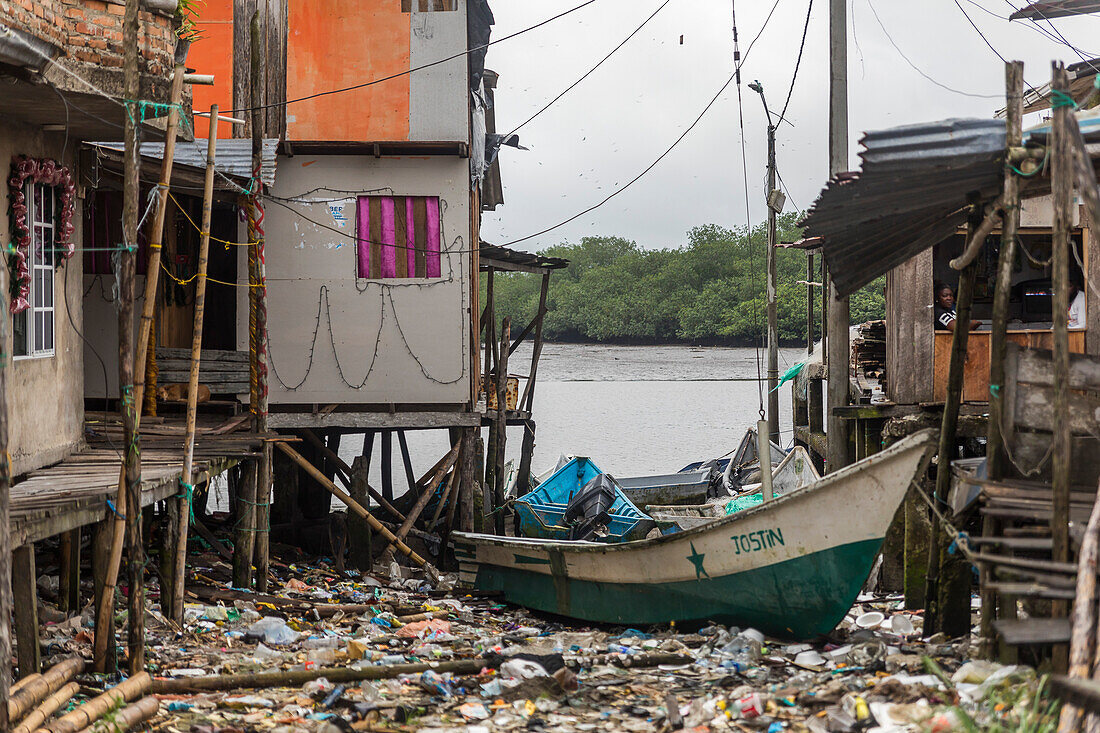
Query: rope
x,y
188,495
207,234
1061,99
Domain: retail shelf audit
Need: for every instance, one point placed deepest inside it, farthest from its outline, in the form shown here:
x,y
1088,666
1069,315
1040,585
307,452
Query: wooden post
x,y
187,477
135,640
809,303
526,454
468,480
102,539
387,464
406,459
995,449
25,592
933,619
71,583
501,425
359,530
427,491
351,503
105,606
349,472
1062,174
257,279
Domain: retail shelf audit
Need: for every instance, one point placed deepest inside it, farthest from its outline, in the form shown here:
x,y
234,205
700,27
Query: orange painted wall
x,y
213,54
335,44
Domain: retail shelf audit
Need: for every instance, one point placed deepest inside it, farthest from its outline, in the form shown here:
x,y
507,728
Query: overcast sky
x,y
616,123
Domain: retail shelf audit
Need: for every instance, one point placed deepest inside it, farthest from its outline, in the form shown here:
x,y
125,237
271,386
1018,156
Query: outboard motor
x,y
588,512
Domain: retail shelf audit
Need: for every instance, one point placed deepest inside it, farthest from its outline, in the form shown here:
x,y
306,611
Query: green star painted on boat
x,y
697,560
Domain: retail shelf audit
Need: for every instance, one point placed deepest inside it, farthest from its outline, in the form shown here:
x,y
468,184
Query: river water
x,y
634,410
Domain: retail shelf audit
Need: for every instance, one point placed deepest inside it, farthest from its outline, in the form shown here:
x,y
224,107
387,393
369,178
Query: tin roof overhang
x,y
914,190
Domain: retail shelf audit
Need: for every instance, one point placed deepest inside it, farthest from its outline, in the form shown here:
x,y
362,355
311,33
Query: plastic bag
x,y
274,631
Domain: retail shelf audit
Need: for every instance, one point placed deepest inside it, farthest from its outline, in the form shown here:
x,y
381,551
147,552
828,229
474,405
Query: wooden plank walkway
x,y
76,491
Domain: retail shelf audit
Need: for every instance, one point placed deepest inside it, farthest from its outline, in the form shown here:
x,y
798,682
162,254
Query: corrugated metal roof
x,y
233,157
1056,9
913,191
502,255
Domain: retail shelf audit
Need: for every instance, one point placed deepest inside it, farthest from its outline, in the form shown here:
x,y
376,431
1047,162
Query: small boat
x,y
741,466
542,512
793,472
685,487
791,567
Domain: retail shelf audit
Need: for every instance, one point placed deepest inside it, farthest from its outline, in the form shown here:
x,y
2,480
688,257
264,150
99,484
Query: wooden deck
x,y
76,491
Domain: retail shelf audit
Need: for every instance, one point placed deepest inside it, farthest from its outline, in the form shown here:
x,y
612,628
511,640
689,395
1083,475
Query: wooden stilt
x,y
25,596
500,428
934,620
1014,93
102,540
468,480
360,534
387,464
368,447
427,491
347,473
1062,175
188,474
64,557
527,451
406,459
105,604
351,503
244,536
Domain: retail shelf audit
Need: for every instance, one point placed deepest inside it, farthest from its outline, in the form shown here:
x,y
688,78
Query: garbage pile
x,y
327,652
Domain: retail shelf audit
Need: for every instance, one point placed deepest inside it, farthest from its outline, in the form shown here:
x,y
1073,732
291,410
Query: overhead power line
x,y
662,156
590,71
798,63
414,69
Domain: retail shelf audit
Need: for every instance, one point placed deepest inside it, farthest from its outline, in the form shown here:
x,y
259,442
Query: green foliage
x,y
188,12
710,290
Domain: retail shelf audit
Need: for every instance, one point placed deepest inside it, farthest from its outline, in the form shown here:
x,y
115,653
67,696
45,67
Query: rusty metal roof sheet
x,y
913,191
501,257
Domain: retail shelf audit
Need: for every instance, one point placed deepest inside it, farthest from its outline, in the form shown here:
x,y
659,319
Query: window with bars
x,y
398,237
34,327
426,6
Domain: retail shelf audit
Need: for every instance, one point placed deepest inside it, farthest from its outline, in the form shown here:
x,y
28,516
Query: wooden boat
x,y
541,512
685,487
791,567
793,472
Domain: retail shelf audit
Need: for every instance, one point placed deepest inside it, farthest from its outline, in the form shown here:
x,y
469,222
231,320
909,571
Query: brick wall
x,y
90,31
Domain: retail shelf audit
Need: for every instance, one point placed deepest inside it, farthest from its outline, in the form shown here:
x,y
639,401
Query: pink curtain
x,y
362,234
431,257
389,208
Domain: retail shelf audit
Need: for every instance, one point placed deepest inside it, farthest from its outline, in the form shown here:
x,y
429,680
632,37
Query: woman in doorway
x,y
944,306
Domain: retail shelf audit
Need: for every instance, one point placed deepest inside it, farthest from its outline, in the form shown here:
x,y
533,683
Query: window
x,y
34,327
398,237
426,6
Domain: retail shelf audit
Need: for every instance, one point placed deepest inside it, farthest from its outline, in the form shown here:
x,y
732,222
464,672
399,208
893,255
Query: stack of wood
x,y
37,697
869,349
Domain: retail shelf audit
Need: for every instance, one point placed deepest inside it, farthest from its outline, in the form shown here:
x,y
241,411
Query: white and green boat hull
x,y
791,567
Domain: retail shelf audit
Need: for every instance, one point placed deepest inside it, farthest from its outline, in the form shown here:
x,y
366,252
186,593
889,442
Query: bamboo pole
x,y
1014,91
179,567
1083,639
105,604
333,456
351,504
1062,174
127,718
33,692
337,675
933,618
49,706
97,707
426,494
23,682
5,502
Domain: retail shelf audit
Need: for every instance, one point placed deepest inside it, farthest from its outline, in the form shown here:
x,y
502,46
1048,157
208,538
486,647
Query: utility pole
x,y
838,316
775,203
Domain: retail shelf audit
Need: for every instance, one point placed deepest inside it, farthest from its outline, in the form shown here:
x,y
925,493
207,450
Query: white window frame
x,y
41,341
